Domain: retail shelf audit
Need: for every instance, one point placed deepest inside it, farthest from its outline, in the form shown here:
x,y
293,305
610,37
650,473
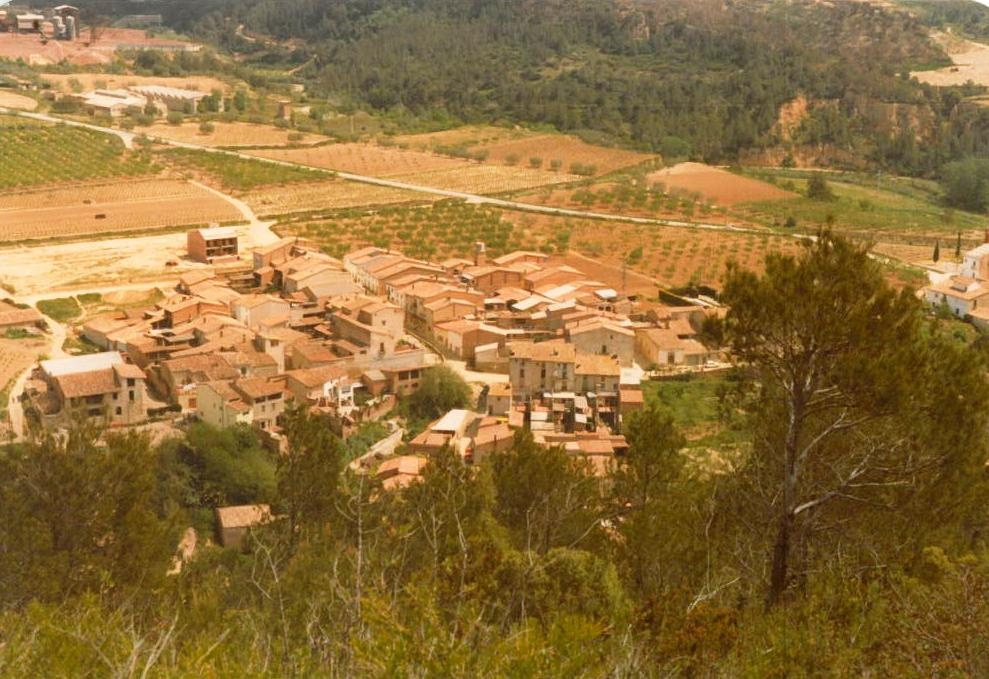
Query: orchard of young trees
x,y
848,537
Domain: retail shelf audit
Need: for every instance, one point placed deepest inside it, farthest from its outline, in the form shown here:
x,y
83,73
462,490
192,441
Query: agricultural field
x,y
417,167
17,101
233,173
628,197
106,208
525,148
466,136
72,82
53,154
447,228
876,209
230,135
331,194
714,184
673,256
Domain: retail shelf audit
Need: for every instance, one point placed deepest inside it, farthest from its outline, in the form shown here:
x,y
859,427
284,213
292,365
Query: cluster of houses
x,y
562,352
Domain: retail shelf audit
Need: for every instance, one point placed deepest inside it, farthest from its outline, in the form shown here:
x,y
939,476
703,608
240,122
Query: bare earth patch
x,y
102,208
717,185
17,101
971,63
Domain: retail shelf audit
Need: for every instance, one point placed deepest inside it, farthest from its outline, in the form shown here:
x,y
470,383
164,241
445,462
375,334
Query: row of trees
x,y
854,519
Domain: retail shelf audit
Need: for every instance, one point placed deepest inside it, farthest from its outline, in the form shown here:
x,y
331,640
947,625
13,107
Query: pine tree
x,y
937,251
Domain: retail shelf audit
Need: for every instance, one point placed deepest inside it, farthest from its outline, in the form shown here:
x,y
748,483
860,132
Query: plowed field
x,y
105,208
718,186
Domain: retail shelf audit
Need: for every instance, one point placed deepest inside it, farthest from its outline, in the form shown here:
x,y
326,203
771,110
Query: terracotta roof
x,y
78,385
553,351
129,370
595,364
314,377
19,317
404,464
257,387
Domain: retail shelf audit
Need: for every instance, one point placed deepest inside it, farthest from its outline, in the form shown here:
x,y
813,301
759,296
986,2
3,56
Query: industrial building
x,y
171,98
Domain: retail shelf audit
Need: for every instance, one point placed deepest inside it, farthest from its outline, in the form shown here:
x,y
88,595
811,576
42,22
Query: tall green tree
x,y
545,497
847,379
309,471
440,389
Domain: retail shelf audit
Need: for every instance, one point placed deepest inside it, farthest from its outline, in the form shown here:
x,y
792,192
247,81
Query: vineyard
x,y
233,173
416,167
445,229
106,208
332,194
39,154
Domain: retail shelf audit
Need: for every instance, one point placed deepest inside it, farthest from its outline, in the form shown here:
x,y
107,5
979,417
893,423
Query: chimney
x,y
481,258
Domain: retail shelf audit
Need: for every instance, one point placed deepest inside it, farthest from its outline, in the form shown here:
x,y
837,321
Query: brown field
x,y
18,101
327,195
719,186
228,134
971,63
417,167
72,211
90,81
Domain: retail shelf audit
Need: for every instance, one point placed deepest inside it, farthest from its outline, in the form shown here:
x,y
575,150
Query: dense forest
x,y
846,538
702,78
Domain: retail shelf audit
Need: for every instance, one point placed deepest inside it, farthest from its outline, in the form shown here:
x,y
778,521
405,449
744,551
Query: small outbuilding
x,y
233,523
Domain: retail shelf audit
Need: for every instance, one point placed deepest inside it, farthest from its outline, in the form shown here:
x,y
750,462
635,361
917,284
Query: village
x,y
544,346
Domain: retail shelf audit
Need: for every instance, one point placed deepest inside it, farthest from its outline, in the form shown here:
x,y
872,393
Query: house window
x,y
131,395
604,348
130,381
120,411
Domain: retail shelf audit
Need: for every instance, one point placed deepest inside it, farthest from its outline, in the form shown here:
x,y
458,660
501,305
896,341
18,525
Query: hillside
x,y
684,78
